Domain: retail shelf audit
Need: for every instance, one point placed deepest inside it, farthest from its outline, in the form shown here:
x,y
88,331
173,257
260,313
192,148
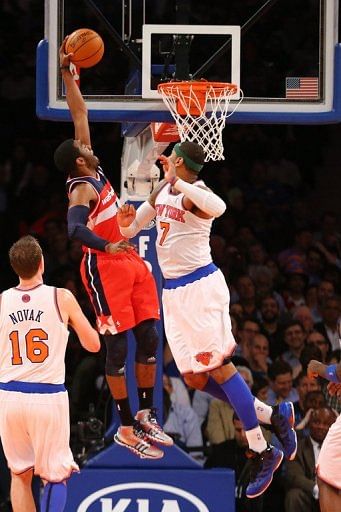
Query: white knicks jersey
x,y
33,337
183,240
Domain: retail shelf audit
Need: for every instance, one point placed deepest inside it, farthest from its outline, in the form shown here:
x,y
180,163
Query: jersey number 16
x,y
36,350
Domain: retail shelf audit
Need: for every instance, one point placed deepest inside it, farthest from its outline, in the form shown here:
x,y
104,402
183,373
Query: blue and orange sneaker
x,y
283,420
264,465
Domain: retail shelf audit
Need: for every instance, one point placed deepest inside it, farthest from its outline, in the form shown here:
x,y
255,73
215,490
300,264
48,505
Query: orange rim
x,y
194,104
197,86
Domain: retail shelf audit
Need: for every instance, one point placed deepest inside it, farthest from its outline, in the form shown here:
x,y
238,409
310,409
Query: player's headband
x,y
188,161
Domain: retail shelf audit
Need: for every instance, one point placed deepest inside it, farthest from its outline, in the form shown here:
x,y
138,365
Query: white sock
x,y
263,411
256,439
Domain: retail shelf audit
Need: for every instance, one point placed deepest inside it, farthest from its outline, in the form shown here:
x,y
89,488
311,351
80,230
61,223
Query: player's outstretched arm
x,y
204,199
74,316
74,98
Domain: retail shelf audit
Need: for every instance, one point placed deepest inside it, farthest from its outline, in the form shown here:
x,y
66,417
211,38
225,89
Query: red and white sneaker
x,y
135,439
148,421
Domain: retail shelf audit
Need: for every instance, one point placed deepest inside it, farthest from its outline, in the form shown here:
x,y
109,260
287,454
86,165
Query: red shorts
x,y
121,288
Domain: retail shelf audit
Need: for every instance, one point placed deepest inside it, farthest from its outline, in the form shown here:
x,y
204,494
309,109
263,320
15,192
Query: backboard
x,y
284,55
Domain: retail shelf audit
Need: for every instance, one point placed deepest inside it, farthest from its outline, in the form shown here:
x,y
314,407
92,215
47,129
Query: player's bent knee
x,y
117,348
223,373
196,380
147,340
25,477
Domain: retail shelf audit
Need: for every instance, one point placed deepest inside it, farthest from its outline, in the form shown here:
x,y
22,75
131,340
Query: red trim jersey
x,y
121,288
102,219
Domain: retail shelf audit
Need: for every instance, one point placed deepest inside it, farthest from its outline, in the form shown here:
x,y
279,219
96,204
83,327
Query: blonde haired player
x,y
196,301
34,407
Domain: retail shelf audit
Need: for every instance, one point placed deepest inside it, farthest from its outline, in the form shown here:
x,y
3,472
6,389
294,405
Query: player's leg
x,y
145,361
329,497
53,459
129,434
21,492
116,354
267,458
281,417
145,370
18,449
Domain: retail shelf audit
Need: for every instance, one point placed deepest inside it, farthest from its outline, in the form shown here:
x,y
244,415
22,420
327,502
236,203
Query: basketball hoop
x,y
200,110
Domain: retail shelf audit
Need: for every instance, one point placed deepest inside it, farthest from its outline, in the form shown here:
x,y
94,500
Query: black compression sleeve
x,y
77,218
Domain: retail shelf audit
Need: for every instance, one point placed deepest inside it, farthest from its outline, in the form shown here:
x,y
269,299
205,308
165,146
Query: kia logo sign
x,y
159,498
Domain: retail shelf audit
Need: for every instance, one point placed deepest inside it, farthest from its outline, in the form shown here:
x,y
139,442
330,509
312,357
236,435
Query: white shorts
x,y
35,433
329,460
197,323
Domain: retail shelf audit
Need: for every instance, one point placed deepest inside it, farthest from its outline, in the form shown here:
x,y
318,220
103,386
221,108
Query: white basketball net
x,y
205,126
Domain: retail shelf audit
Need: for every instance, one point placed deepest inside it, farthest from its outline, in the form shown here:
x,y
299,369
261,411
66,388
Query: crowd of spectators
x,y
281,257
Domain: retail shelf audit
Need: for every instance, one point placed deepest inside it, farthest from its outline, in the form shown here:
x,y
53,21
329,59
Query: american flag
x,y
302,87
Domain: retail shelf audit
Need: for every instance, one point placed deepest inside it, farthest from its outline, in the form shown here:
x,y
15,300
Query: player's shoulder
x,y
83,190
65,296
78,183
156,191
6,293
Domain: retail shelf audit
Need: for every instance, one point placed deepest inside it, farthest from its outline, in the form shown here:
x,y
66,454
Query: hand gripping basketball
x,y
64,58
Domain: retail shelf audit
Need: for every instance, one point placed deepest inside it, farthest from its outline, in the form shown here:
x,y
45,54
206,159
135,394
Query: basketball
x,y
87,47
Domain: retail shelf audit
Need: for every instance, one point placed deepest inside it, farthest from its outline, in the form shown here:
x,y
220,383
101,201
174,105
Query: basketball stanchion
x,y
200,109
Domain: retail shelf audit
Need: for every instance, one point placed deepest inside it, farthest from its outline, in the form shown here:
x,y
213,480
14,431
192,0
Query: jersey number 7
x,y
165,227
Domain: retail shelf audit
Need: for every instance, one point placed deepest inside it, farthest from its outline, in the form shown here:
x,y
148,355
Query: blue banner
x,y
151,491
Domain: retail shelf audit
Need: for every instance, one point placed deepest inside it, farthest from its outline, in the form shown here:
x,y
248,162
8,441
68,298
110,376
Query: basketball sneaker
x,y
148,421
134,438
264,465
283,420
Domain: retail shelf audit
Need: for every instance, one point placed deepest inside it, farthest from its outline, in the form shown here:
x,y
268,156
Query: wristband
x,y
330,373
173,180
64,67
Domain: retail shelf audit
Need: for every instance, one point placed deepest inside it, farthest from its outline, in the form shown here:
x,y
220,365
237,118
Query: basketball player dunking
x,y
120,286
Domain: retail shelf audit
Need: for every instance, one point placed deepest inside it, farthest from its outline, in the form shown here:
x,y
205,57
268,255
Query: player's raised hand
x,y
64,58
126,215
168,168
